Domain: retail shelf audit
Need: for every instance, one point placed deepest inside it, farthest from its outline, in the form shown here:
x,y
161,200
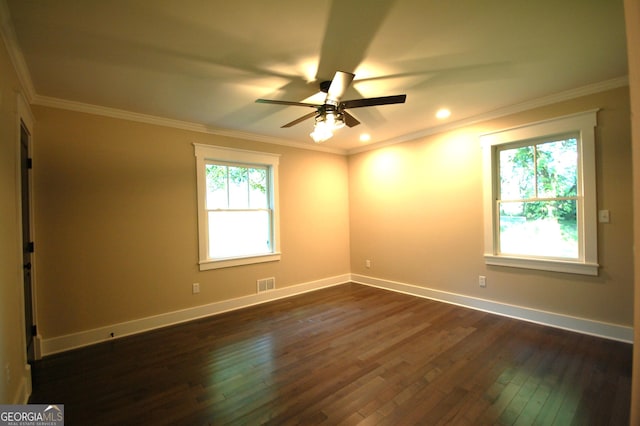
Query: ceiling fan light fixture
x,y
321,131
325,124
334,120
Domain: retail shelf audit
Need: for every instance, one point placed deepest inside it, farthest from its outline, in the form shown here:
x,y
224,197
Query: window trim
x,y
584,123
204,153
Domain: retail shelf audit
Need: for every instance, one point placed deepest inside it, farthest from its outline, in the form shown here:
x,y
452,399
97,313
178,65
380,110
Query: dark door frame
x,y
25,125
27,241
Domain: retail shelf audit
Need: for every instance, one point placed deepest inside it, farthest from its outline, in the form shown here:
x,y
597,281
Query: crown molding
x,y
502,112
202,128
8,34
176,124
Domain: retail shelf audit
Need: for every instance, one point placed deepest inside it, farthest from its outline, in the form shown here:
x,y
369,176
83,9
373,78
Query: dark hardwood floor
x,y
349,354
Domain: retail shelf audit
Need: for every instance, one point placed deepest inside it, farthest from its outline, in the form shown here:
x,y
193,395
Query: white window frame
x,y
208,153
584,123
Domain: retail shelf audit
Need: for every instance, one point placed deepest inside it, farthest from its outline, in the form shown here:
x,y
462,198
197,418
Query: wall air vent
x,y
266,284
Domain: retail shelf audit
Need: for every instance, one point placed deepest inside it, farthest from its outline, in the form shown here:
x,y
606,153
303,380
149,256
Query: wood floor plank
x,y
349,354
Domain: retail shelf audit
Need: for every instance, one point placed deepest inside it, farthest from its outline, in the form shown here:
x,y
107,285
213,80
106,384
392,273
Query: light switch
x,y
603,216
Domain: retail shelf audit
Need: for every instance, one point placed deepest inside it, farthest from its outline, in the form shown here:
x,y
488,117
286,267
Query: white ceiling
x,y
206,62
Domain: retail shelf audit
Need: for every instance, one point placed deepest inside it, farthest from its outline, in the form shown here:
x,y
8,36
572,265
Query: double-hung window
x,y
237,206
540,199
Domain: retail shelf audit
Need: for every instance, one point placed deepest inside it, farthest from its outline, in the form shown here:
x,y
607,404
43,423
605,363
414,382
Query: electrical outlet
x,y
367,263
195,288
482,281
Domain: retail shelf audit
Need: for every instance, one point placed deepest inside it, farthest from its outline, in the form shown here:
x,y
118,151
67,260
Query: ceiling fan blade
x,y
349,119
382,100
301,119
339,84
342,48
271,101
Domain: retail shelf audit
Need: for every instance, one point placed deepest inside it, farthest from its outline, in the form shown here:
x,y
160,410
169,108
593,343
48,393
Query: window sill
x,y
569,267
206,265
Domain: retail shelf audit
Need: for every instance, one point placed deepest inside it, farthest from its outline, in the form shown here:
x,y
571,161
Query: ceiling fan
x,y
332,114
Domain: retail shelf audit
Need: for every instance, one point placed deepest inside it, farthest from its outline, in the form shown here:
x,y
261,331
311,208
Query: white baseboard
x,y
581,325
565,322
84,338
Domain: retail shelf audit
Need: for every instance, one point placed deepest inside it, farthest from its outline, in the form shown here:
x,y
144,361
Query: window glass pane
x,y
539,228
238,188
239,233
517,173
557,169
216,186
258,189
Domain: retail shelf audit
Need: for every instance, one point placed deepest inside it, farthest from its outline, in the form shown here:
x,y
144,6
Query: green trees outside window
x,y
538,193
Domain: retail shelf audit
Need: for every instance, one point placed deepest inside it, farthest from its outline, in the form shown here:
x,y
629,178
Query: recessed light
x,y
365,137
443,113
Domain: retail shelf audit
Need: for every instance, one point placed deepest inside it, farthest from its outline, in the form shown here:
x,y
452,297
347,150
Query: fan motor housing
x,y
324,86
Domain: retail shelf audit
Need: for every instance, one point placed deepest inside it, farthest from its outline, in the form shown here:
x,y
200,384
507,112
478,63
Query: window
x,y
540,201
237,207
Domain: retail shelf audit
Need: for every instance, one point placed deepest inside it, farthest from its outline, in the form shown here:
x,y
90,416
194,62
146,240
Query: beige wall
x,y
12,343
117,230
416,213
117,234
